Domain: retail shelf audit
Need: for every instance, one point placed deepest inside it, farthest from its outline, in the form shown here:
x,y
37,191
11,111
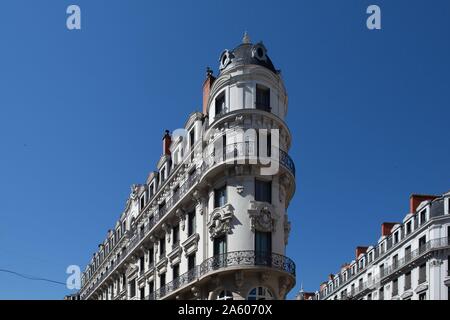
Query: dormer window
x,y
152,190
408,228
423,216
162,175
396,239
142,204
192,138
220,104
262,98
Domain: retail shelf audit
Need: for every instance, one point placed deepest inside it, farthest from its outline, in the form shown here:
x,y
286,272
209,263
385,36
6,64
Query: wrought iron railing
x,y
230,259
237,152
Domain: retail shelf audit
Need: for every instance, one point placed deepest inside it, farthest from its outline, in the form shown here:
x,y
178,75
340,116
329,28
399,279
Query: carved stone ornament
x,y
182,216
220,221
167,228
263,217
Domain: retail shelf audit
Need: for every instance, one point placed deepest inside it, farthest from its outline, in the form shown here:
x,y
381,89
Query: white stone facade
x,y
210,223
409,262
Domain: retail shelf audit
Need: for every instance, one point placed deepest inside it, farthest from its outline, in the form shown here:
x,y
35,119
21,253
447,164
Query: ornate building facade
x,y
411,260
211,222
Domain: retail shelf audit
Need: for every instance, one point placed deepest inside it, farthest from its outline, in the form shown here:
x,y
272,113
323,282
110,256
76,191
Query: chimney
x,y
331,276
386,228
207,89
167,141
359,251
416,199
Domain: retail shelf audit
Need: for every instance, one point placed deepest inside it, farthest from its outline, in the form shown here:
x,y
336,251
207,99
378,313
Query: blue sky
x,y
82,115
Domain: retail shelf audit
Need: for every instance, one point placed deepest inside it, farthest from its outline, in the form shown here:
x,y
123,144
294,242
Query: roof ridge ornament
x,y
246,38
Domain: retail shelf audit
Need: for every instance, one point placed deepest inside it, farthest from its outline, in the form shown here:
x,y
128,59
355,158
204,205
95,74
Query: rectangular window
x,y
408,227
176,271
263,191
381,293
142,264
395,287
142,293
395,237
176,235
162,280
262,98
142,202
423,216
422,273
220,245
162,247
220,197
191,223
152,190
422,244
220,104
382,270
395,261
408,280
162,176
192,138
191,261
407,253
151,287
151,258
423,296
263,244
133,288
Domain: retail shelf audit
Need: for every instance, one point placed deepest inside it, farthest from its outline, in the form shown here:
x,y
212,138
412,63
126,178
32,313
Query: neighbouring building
x,y
211,222
409,262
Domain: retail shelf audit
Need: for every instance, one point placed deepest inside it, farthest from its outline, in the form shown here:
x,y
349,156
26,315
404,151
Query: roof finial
x,y
246,38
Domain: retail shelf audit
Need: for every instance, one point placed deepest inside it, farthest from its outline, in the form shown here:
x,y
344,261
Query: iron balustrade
x,y
225,260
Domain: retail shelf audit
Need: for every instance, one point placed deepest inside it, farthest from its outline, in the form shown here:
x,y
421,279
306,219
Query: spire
x,y
246,38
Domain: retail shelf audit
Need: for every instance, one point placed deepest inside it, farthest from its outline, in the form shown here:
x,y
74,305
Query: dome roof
x,y
246,53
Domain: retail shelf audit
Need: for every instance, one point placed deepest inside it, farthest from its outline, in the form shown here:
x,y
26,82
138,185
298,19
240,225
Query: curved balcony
x,y
247,258
246,152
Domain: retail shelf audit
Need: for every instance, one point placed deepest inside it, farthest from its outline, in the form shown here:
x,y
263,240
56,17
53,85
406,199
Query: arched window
x,y
260,293
225,295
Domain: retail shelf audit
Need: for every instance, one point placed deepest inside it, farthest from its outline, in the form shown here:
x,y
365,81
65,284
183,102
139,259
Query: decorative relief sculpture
x,y
220,221
263,217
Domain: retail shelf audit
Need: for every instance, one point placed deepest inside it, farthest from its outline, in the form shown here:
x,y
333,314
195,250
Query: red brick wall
x,y
416,199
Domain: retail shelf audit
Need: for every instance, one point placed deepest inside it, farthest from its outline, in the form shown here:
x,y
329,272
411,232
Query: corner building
x,y
211,222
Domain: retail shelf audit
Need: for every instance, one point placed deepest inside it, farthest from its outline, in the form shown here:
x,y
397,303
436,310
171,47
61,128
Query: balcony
x,y
245,152
223,261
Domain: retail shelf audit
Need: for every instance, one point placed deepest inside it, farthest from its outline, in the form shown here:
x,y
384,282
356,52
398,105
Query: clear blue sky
x,y
82,115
